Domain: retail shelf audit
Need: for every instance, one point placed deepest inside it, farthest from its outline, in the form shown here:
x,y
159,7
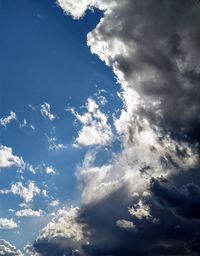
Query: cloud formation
x,y
6,249
46,111
7,223
27,193
7,159
145,199
6,120
29,213
95,127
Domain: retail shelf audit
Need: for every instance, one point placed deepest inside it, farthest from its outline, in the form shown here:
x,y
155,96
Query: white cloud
x,y
6,249
27,193
125,224
7,223
6,120
29,213
140,211
46,111
54,203
50,170
7,159
23,124
64,225
95,127
53,145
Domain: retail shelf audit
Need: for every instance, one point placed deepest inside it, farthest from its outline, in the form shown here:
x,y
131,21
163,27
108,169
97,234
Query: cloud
x,y
7,249
153,49
183,201
63,232
53,145
29,213
46,111
54,203
26,193
50,170
140,211
6,120
95,127
7,223
7,159
126,224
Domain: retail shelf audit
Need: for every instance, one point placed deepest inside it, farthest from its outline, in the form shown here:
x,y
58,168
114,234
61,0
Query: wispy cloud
x,y
6,120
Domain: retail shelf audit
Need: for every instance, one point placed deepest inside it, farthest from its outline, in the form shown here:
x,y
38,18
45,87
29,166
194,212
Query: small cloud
x,y
7,159
29,213
125,224
7,223
140,211
6,120
95,127
54,203
23,124
53,145
46,111
50,170
26,193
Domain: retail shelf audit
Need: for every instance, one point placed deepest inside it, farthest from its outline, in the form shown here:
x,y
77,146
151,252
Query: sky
x,y
99,127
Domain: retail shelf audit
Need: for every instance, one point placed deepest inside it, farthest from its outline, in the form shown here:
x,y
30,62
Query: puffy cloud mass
x,y
95,127
7,159
27,193
145,199
7,223
6,249
46,111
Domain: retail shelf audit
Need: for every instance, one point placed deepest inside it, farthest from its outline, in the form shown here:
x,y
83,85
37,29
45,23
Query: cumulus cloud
x,y
95,127
27,193
7,223
8,159
46,111
6,120
7,249
64,232
29,213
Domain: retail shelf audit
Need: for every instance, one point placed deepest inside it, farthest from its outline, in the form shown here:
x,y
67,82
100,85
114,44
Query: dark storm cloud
x,y
162,45
183,201
170,236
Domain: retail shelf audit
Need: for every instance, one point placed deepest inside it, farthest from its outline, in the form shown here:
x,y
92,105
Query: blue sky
x,y
45,59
